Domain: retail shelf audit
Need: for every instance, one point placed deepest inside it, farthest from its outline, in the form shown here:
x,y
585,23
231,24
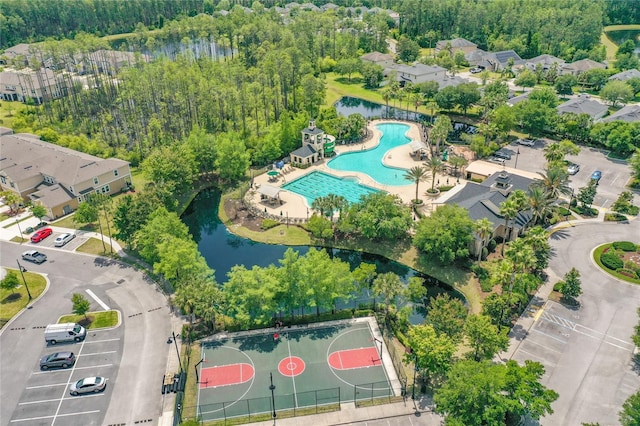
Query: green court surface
x,y
310,367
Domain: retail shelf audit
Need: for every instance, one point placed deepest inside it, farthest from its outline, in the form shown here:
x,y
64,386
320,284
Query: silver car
x,y
58,359
63,239
88,385
526,142
573,168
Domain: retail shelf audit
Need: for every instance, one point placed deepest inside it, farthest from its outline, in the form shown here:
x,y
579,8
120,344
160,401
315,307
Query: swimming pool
x,y
317,184
370,163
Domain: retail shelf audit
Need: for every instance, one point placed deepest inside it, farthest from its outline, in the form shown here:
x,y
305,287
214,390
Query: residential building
x,y
583,65
382,59
629,113
545,62
456,45
28,85
626,75
583,104
416,73
16,55
59,178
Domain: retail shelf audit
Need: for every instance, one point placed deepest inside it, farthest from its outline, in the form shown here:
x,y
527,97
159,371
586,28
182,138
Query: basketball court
x,y
303,367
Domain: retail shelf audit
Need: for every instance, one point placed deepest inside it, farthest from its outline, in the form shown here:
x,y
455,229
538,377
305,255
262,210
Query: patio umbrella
x,y
273,173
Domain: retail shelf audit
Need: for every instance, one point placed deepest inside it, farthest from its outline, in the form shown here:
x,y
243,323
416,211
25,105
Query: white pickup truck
x,y
34,256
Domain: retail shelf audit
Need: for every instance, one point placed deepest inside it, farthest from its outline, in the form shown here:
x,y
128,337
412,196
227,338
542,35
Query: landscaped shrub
x,y
491,245
611,261
630,264
627,272
558,286
614,217
563,211
268,224
625,245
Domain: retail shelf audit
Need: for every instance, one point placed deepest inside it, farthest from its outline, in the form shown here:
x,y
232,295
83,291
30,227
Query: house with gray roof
x,y
416,73
482,200
382,59
545,62
28,85
583,104
626,75
499,61
583,65
20,53
630,113
456,45
59,178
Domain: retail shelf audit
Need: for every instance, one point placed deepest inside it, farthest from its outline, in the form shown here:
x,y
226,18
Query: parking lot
x,y
615,174
81,238
46,400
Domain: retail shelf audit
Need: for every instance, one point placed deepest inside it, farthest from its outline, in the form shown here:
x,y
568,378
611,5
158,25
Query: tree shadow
x,y
570,302
560,234
11,298
518,332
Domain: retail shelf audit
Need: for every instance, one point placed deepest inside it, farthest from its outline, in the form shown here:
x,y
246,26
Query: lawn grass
x,y
8,111
596,257
93,320
94,246
190,401
13,301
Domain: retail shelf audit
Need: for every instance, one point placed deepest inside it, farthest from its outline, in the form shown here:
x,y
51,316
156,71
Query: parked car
x,y
41,235
34,256
496,160
502,154
476,70
526,142
597,175
88,385
58,359
63,239
573,168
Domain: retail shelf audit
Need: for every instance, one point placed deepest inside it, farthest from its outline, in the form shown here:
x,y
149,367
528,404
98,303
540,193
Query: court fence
x,y
395,353
292,405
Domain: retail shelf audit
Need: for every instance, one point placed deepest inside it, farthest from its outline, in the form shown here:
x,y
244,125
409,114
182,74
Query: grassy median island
x,y
13,301
93,320
620,259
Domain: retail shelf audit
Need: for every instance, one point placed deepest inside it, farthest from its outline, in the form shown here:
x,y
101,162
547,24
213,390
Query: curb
x,y
29,305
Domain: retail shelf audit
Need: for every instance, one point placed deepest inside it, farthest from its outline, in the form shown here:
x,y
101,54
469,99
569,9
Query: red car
x,y
41,235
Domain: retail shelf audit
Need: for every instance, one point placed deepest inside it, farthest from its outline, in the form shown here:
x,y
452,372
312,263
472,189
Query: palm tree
x,y
483,228
337,202
440,131
540,203
553,153
555,182
434,165
416,174
509,211
458,162
386,92
322,205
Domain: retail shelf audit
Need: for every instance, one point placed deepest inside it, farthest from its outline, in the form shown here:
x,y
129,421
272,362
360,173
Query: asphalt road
x,y
133,356
587,350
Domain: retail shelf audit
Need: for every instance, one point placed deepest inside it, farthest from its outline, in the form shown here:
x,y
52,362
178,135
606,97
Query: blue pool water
x,y
369,161
317,184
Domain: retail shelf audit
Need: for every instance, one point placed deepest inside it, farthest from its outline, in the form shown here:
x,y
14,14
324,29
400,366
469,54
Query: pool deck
x,y
295,206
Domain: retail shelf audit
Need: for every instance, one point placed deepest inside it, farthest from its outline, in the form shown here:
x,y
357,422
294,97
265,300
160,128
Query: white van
x,y
66,332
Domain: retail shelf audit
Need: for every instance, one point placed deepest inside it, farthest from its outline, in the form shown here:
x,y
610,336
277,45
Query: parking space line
x,y
99,353
67,385
49,417
603,339
544,346
102,341
46,386
94,366
549,335
97,299
42,401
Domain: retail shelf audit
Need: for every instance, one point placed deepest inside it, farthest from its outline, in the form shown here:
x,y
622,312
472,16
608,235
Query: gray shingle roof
x,y
582,105
52,195
626,75
304,152
630,114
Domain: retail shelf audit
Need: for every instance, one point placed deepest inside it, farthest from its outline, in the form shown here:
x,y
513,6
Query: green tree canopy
x,y
10,281
432,352
447,316
484,338
380,216
445,234
80,304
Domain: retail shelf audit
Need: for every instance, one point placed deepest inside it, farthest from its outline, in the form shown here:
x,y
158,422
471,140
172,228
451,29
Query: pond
x,y
619,37
223,250
372,110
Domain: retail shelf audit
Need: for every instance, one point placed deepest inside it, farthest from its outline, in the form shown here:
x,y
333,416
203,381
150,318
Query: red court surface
x,y
354,358
226,375
291,366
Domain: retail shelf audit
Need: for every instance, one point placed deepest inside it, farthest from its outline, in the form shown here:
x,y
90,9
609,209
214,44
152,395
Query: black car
x,y
502,154
58,359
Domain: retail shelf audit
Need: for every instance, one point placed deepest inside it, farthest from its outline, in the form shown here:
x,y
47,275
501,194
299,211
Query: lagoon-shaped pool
x,y
369,161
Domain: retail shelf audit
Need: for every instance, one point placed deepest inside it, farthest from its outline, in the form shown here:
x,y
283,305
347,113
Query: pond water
x,y
222,250
619,37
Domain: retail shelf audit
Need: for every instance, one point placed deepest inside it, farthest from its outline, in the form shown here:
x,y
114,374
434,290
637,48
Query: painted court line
x,y
97,299
295,394
49,417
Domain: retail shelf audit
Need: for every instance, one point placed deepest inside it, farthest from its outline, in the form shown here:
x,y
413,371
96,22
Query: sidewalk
x,y
349,414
